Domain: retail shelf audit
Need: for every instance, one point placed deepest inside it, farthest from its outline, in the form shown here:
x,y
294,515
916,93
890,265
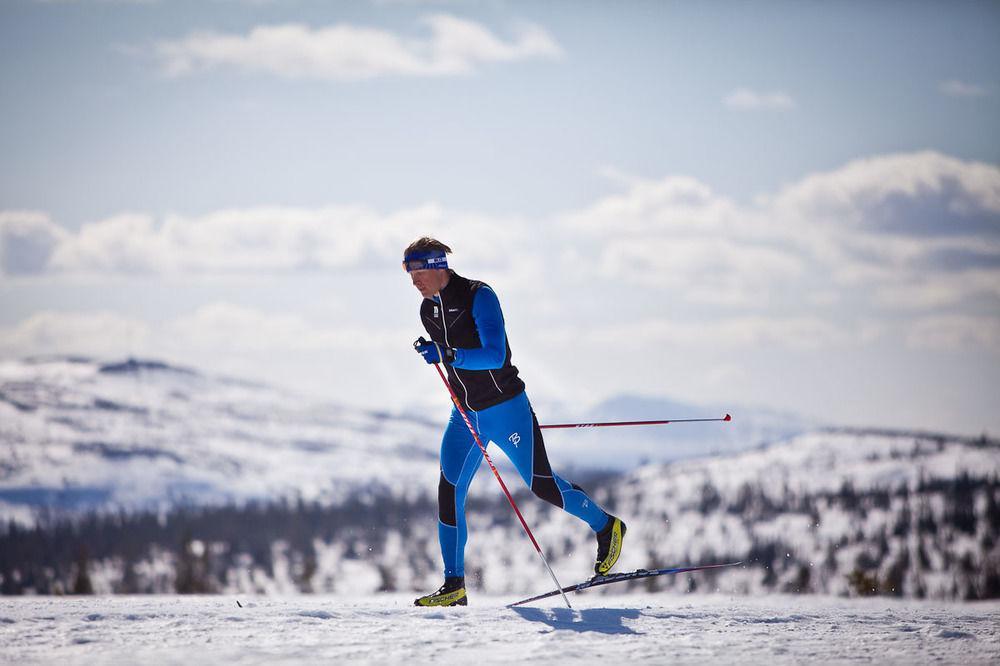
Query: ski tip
x,y
728,418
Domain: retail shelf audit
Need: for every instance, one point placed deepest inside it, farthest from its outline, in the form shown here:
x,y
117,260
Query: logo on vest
x,y
515,439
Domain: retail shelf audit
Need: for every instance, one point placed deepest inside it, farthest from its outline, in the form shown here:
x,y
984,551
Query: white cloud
x,y
916,230
249,240
673,203
126,243
913,231
346,52
745,99
924,193
956,88
676,234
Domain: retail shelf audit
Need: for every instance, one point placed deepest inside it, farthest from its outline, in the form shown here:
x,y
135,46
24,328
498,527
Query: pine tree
x,y
81,582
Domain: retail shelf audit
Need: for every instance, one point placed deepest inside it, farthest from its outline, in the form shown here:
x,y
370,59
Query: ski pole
x,y
727,417
524,524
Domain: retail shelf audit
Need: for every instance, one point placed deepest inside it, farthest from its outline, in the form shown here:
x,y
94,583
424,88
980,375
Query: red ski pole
x,y
727,417
524,524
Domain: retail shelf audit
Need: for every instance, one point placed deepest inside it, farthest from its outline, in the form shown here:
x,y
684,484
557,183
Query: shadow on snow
x,y
600,620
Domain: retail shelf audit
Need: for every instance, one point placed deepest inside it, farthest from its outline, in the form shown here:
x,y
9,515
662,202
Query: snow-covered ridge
x,y
77,434
902,509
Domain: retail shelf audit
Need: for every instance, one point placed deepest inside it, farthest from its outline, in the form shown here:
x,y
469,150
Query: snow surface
x,y
689,629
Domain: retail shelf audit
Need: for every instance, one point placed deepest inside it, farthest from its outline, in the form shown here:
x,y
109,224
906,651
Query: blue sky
x,y
789,204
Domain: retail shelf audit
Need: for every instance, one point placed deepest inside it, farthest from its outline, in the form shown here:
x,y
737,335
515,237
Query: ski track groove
x,y
386,629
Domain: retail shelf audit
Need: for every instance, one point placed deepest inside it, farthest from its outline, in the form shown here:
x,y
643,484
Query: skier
x,y
466,328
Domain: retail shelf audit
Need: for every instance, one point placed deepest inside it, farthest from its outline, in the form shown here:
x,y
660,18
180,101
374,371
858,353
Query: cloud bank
x,y
900,246
915,230
345,52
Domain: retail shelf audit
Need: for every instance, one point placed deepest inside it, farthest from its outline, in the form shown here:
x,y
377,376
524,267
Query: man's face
x,y
429,282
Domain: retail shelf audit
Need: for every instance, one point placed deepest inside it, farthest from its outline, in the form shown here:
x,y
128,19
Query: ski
x,y
621,577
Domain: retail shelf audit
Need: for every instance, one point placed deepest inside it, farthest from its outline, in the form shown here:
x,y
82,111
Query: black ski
x,y
621,577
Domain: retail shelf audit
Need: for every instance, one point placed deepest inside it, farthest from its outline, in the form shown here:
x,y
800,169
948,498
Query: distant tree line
x,y
55,554
938,528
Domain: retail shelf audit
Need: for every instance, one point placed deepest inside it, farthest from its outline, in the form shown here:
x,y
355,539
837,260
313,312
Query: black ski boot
x,y
609,545
452,593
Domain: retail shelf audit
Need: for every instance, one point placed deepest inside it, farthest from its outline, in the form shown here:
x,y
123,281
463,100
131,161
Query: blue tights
x,y
513,427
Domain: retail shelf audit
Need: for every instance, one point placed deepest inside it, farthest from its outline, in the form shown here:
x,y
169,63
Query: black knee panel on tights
x,y
546,488
542,483
446,502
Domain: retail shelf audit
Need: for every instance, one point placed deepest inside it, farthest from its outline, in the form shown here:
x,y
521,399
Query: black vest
x,y
450,323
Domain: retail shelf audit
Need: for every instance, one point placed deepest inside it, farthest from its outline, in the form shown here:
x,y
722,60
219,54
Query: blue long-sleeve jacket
x,y
492,336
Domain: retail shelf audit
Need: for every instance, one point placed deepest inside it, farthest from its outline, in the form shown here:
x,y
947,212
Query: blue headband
x,y
421,260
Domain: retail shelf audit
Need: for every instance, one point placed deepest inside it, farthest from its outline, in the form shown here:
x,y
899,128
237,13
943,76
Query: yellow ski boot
x,y
452,593
609,545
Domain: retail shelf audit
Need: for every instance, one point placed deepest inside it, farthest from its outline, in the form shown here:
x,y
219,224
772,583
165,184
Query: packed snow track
x,y
686,629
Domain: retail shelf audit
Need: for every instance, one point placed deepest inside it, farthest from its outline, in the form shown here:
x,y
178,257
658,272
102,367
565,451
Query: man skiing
x,y
466,329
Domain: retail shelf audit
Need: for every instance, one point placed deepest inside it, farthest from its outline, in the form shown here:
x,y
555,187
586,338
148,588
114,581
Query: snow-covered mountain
x,y
77,434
